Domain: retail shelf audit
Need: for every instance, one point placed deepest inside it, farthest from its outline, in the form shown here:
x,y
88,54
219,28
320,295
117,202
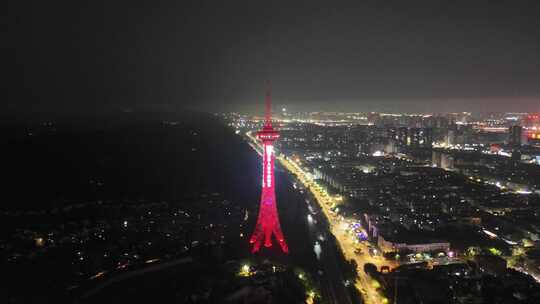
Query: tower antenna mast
x,y
268,104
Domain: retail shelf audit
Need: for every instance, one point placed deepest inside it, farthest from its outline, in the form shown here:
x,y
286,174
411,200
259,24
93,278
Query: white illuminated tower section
x,y
268,220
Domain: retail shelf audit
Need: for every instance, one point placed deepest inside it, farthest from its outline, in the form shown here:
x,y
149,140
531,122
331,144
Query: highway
x,y
346,241
331,277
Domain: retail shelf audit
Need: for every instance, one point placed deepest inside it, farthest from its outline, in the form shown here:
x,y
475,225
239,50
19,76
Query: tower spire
x,y
268,104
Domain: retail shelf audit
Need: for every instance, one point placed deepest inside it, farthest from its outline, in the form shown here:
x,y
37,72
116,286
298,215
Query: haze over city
x,y
425,56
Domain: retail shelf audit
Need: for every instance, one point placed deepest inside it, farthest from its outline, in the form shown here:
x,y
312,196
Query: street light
x,y
245,270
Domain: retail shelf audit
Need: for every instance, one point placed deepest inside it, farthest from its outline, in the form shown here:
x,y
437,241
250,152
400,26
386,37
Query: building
x,y
515,134
447,161
391,147
402,135
436,158
420,137
451,137
394,246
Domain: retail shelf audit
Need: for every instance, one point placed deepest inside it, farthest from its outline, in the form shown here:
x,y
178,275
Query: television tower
x,y
268,220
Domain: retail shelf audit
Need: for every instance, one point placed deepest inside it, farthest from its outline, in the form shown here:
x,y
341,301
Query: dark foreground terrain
x,y
88,201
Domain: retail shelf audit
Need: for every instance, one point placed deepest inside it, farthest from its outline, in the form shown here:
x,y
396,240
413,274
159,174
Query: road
x,y
332,280
345,240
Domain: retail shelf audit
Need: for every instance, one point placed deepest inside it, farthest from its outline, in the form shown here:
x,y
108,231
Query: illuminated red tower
x,y
268,220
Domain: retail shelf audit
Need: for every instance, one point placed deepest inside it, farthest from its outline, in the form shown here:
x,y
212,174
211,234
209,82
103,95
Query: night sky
x,y
320,55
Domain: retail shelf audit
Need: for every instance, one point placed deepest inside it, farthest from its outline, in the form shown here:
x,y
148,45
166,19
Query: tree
x,y
370,269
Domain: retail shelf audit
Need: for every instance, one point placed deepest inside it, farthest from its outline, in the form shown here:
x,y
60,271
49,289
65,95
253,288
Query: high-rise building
x,y
447,161
402,135
436,158
428,137
415,137
391,146
421,137
268,220
451,137
391,132
514,136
